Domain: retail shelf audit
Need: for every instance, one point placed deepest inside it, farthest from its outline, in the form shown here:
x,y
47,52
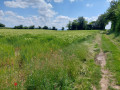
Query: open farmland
x,y
47,60
59,44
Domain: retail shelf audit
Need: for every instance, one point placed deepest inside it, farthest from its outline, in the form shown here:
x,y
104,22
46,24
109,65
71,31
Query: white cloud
x,y
11,19
89,5
72,0
75,0
16,4
94,18
1,13
58,1
109,0
61,21
44,8
45,11
10,13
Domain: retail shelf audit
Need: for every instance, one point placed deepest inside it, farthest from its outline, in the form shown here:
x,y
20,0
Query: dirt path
x,y
100,59
106,75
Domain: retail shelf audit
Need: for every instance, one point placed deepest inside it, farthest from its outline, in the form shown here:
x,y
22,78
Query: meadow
x,y
48,60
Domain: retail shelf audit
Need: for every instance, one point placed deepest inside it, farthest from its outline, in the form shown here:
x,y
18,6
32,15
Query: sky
x,y
49,12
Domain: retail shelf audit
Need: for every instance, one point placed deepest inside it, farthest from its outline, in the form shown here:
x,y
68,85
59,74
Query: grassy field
x,y
48,60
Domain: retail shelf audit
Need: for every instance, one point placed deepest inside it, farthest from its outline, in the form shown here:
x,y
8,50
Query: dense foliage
x,y
113,15
82,24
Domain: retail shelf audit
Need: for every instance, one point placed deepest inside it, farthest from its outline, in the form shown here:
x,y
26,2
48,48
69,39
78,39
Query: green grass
x,y
113,57
47,60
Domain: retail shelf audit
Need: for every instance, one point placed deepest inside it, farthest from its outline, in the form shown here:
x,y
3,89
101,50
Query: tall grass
x,y
46,60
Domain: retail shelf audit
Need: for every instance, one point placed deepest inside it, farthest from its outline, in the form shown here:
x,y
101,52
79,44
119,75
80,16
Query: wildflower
x,y
15,84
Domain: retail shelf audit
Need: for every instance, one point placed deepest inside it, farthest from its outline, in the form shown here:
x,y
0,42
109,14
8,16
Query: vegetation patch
x,y
113,59
47,60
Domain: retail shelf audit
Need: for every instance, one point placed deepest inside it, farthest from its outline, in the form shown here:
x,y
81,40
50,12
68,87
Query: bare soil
x,y
100,59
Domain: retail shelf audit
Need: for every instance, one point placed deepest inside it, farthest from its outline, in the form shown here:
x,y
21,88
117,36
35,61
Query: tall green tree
x,y
74,25
101,22
81,23
113,15
62,28
69,25
39,27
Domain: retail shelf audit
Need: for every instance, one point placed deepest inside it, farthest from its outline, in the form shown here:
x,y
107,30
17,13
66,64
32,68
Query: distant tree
x,y
15,27
92,25
62,28
69,25
101,22
39,27
78,24
2,25
32,27
18,27
81,23
74,25
25,27
45,27
89,27
54,28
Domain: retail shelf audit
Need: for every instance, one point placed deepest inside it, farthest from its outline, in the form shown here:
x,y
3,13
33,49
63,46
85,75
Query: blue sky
x,y
49,12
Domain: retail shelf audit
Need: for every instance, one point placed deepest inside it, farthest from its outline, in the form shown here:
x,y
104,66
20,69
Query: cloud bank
x,y
46,15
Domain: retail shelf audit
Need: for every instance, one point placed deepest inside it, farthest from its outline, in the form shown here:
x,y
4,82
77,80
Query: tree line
x,y
33,27
82,24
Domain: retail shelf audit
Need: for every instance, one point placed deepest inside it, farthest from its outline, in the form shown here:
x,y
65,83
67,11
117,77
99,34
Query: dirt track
x,y
100,59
